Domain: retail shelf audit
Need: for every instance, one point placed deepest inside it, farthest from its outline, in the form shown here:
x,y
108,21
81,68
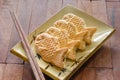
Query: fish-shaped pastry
x,y
61,35
49,49
73,34
90,33
77,21
64,41
80,26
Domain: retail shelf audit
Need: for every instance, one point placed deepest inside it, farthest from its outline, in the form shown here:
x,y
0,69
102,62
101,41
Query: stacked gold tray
x,y
104,31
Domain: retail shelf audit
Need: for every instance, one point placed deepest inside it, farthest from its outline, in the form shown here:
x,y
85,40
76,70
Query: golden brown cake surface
x,y
49,49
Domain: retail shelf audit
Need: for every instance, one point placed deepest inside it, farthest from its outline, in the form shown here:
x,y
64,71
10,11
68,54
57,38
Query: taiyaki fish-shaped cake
x,y
64,41
77,21
71,30
80,26
49,49
68,27
61,41
61,35
90,33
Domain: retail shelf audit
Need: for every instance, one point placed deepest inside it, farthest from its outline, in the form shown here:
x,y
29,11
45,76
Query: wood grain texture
x,y
103,56
97,0
27,72
99,10
89,74
4,39
1,2
53,7
13,72
78,75
104,74
116,65
3,50
114,18
112,0
85,5
2,70
38,14
5,27
24,13
70,2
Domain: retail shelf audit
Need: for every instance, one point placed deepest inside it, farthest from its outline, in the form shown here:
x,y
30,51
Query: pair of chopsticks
x,y
36,70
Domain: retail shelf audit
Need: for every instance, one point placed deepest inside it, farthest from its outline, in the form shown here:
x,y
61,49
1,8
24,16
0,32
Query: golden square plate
x,y
103,32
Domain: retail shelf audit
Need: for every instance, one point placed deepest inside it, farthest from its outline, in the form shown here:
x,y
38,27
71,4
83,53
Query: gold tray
x,y
103,32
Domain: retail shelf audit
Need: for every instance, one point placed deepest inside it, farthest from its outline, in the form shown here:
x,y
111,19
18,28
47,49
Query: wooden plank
x,y
3,50
13,72
53,7
38,15
5,18
85,5
24,14
116,74
99,10
103,56
27,72
2,70
84,73
78,75
1,3
97,0
89,74
116,62
6,26
112,0
70,2
113,16
103,74
112,8
95,74
4,39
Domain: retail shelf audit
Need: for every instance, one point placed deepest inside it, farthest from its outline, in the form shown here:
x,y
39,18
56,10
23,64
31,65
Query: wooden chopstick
x,y
36,70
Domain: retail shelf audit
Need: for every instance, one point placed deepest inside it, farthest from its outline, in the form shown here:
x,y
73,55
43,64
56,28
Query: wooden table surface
x,y
104,65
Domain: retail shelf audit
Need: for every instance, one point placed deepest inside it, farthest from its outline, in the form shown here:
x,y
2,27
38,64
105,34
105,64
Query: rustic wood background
x,y
104,65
